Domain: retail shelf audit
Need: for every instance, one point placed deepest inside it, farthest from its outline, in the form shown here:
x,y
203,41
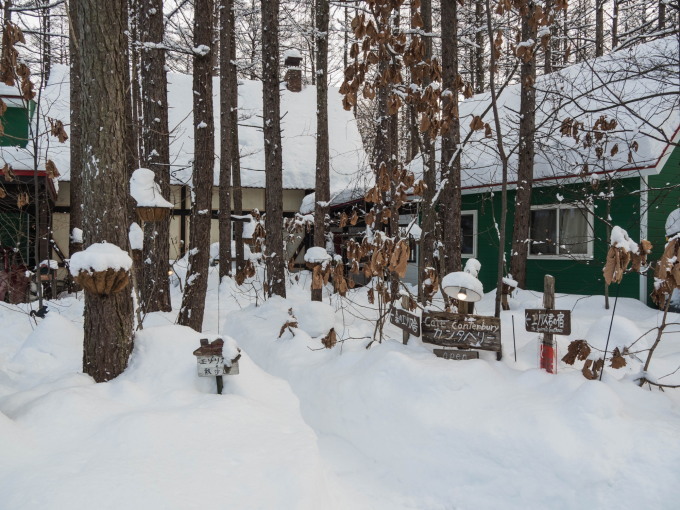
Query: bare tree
x,y
101,41
323,192
227,81
193,300
271,110
155,288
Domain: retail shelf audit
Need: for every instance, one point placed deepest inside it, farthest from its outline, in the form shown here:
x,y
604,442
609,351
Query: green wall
x,y
664,197
15,123
572,276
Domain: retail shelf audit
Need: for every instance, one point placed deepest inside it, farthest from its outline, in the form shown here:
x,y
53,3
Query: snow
x,y
298,125
77,235
673,223
136,236
650,118
317,255
303,427
462,280
51,263
473,266
619,238
294,53
99,257
315,318
146,191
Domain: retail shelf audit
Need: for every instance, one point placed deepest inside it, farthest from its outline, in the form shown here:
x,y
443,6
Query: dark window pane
x,y
543,232
467,222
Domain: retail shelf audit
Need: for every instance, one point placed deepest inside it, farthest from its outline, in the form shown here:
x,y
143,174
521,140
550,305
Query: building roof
x,y
298,125
639,87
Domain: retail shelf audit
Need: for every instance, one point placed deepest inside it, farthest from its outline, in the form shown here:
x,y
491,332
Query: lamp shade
x,y
463,286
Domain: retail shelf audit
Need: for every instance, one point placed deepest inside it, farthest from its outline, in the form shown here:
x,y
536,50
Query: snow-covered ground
x,y
303,427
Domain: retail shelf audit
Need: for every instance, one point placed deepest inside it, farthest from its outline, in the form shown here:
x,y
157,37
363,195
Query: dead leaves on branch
x,y
667,273
581,351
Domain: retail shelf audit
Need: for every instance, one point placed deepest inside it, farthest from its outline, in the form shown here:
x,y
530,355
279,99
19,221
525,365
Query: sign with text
x,y
210,366
407,321
460,330
455,354
556,322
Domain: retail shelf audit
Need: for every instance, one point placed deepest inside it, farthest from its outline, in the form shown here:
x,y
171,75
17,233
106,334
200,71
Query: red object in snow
x,y
548,358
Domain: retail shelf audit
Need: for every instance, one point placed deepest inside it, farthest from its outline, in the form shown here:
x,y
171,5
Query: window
x,y
561,231
468,222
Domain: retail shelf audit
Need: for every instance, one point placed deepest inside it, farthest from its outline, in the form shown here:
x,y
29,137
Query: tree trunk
x,y
46,44
155,288
193,300
323,190
273,196
236,157
76,170
479,50
450,165
615,24
102,44
525,169
226,138
599,28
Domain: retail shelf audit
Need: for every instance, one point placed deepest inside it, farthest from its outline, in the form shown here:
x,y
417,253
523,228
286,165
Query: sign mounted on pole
x,y
556,322
461,330
406,321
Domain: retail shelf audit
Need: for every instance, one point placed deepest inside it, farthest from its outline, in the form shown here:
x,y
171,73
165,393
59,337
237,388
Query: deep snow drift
x,y
303,427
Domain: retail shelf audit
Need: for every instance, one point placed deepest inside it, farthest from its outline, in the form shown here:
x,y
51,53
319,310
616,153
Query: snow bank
x,y
317,255
99,257
315,318
146,191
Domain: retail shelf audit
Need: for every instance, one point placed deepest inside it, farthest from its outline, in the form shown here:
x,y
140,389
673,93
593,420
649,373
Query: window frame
x,y
590,233
474,214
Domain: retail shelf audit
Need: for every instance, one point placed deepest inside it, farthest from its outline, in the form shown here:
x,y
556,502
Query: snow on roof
x,y
298,125
637,86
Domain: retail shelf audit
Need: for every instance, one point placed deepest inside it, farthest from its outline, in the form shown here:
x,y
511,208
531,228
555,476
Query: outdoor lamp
x,y
463,286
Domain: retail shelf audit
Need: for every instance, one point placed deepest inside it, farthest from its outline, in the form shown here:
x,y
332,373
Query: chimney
x,y
293,78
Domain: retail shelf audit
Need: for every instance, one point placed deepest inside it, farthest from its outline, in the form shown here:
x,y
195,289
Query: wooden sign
x,y
556,322
459,330
407,321
210,366
455,354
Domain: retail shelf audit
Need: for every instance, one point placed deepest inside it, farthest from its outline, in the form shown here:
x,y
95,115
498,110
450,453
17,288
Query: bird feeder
x,y
151,206
101,269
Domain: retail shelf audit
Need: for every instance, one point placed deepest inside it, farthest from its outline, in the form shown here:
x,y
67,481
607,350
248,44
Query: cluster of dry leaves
x,y
580,350
667,273
619,258
10,67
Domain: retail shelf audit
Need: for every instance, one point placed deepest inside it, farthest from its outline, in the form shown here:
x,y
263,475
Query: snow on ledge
x,y
145,190
99,257
317,255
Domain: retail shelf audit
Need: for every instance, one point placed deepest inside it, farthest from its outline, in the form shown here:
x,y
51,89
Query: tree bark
x,y
193,300
102,44
525,169
599,28
479,50
450,157
428,236
226,137
155,288
323,189
76,170
273,196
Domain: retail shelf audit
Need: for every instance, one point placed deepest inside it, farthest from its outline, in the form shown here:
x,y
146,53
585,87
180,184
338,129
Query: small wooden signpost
x,y
406,321
556,322
463,331
549,322
211,361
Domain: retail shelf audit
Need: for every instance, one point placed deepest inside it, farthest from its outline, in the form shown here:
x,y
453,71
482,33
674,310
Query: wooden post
x,y
547,344
404,305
